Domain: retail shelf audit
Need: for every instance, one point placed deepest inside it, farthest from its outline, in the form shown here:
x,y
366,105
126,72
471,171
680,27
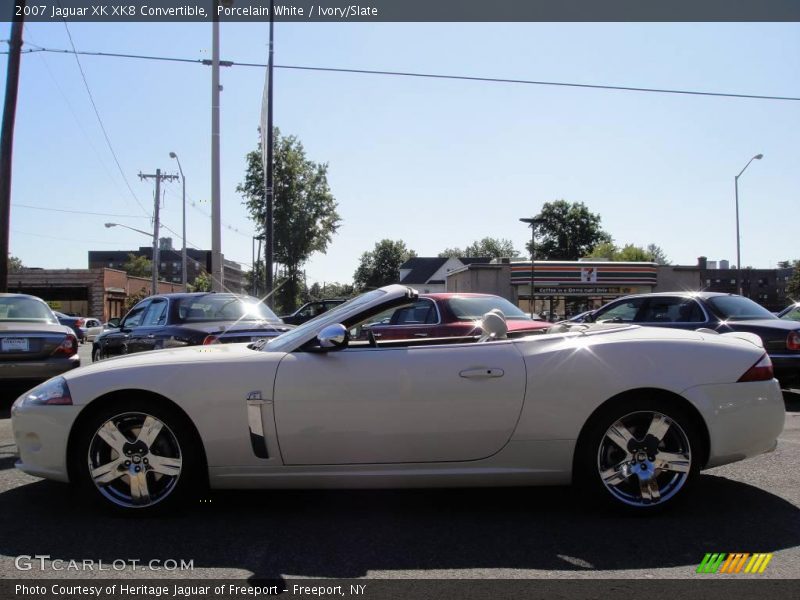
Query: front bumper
x,y
743,419
41,434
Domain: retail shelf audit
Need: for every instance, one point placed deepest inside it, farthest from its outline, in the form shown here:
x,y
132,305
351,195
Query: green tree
x,y
793,287
630,253
138,266
133,299
14,264
257,273
657,255
607,250
330,289
381,266
305,216
488,246
201,283
568,231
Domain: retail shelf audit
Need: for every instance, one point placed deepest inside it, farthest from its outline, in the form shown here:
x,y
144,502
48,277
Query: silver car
x,y
33,345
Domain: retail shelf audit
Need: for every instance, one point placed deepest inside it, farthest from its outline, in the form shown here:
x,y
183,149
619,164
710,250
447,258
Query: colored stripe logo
x,y
737,562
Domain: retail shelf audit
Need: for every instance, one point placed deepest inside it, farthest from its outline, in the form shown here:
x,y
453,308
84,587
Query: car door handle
x,y
482,373
151,336
420,335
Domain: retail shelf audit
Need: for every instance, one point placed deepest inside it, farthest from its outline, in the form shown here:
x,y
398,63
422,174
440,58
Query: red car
x,y
450,315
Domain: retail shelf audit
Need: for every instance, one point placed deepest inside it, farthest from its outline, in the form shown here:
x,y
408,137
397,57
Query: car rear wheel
x,y
641,456
138,458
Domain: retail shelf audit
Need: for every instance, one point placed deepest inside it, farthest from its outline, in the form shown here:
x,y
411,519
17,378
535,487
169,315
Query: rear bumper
x,y
787,368
743,419
38,370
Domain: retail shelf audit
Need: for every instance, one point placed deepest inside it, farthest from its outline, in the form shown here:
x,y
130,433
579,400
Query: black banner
x,y
708,587
405,10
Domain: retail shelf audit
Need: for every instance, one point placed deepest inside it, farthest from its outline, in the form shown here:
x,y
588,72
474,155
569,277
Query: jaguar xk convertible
x,y
631,414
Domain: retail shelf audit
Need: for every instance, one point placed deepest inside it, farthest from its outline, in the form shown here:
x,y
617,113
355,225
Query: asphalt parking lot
x,y
752,506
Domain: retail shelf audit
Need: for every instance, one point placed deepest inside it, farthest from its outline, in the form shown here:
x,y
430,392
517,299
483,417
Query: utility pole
x,y
217,276
7,140
159,177
270,242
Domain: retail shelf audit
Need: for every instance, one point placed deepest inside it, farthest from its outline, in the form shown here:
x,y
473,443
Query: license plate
x,y
14,345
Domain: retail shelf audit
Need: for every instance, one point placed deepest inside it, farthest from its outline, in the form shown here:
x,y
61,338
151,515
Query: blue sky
x,y
434,163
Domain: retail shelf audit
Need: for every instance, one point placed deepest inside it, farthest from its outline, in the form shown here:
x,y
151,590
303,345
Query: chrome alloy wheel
x,y
134,460
644,458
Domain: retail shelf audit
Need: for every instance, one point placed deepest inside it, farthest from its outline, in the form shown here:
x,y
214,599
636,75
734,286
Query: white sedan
x,y
629,413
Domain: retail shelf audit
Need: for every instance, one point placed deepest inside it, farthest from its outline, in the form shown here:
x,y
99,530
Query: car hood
x,y
213,353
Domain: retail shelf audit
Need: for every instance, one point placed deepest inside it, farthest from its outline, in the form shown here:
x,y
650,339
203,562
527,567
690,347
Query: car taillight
x,y
210,339
793,341
761,371
68,347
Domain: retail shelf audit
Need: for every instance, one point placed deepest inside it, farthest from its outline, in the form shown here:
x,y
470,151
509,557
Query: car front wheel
x,y
137,457
640,456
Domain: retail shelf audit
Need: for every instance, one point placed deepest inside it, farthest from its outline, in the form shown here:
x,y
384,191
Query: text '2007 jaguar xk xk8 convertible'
x,y
631,414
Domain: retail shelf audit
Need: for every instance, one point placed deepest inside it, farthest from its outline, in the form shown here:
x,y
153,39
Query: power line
x,y
100,120
62,239
77,212
499,80
78,121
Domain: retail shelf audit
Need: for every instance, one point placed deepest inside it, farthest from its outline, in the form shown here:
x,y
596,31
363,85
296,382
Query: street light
x,y
738,241
183,251
532,222
154,282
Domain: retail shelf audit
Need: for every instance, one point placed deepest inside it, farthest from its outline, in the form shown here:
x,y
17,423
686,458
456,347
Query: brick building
x,y
99,293
171,263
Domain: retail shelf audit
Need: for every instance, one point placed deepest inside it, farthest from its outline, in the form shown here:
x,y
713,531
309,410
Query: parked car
x,y
580,317
629,414
309,310
34,346
791,312
74,323
201,318
720,312
446,315
91,328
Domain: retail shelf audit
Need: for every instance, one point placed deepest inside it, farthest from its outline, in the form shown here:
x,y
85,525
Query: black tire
x,y
652,473
97,355
153,468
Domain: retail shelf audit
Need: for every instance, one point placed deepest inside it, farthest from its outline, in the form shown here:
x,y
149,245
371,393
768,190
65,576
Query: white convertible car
x,y
630,413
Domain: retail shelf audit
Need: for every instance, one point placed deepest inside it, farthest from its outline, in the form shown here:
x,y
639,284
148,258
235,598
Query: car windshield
x,y
19,308
472,308
222,307
330,317
737,308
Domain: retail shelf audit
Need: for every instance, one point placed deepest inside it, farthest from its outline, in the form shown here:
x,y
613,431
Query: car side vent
x,y
255,420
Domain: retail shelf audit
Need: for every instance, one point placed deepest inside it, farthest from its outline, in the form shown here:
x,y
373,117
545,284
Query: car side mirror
x,y
333,337
589,318
114,322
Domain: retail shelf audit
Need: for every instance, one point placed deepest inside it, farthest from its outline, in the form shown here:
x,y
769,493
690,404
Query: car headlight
x,y
52,392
